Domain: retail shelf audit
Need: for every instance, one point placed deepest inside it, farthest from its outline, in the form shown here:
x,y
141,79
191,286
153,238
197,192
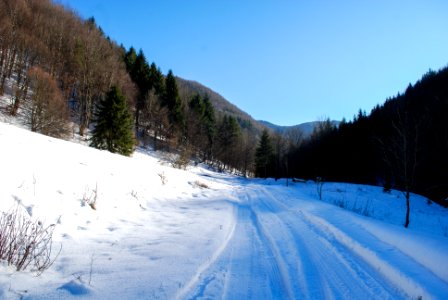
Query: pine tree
x,y
209,123
140,75
129,59
156,79
264,156
228,139
171,99
113,130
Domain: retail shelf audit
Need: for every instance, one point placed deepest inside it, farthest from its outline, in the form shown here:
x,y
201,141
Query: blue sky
x,y
286,62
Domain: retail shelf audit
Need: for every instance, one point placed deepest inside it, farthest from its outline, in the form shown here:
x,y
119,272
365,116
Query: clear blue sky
x,y
286,62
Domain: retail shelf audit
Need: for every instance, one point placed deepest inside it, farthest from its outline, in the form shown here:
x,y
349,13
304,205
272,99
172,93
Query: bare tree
x,y
247,153
294,138
46,111
401,153
280,152
155,120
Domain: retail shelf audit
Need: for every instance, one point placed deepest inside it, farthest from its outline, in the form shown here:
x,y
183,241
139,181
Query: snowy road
x,y
207,235
278,251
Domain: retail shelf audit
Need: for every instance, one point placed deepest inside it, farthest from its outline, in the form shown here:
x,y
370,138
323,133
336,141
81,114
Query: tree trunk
x,y
137,120
2,59
18,93
11,63
406,224
155,138
2,84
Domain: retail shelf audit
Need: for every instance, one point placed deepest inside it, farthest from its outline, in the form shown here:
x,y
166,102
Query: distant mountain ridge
x,y
188,88
307,128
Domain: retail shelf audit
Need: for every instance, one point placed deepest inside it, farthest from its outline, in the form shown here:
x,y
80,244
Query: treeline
x,y
401,144
64,51
61,71
189,125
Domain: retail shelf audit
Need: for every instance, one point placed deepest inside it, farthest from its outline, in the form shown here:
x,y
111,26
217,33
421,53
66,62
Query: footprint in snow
x,y
75,287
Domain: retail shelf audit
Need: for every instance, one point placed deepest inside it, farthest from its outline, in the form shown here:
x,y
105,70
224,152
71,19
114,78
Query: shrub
x,y
201,185
25,242
163,178
90,197
181,161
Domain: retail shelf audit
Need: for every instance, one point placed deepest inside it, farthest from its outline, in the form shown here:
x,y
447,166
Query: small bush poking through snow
x,y
201,185
181,161
163,178
25,242
319,184
90,197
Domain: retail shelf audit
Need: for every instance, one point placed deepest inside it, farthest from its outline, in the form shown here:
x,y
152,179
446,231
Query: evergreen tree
x,y
129,59
140,75
156,79
264,156
229,137
209,124
171,100
113,130
200,125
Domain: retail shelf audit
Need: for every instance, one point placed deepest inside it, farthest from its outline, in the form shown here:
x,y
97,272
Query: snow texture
x,y
208,235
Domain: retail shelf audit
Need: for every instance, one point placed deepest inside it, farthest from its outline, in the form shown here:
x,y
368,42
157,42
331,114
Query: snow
x,y
207,235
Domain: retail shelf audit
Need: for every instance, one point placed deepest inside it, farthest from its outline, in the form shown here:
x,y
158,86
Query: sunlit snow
x,y
208,235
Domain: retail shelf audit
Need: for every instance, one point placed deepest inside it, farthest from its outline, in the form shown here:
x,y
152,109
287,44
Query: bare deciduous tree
x,y
46,111
155,120
401,154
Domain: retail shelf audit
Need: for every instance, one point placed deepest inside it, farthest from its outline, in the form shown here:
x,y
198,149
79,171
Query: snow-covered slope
x,y
208,235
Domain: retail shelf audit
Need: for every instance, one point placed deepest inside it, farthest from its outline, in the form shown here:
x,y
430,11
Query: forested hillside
x,y
401,144
56,68
43,44
306,128
189,87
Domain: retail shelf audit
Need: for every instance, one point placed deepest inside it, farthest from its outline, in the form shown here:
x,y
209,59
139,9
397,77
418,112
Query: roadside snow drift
x,y
161,233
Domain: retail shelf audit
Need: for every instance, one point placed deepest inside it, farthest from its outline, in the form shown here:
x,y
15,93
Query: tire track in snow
x,y
254,271
249,267
276,252
372,267
197,277
339,274
390,270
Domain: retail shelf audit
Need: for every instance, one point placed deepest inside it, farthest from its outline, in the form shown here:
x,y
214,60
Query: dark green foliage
x,y
402,144
129,59
113,128
188,88
172,100
187,121
228,139
264,156
156,79
229,131
139,72
209,121
201,125
145,78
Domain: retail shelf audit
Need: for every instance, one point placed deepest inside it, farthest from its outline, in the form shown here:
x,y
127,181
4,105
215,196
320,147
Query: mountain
x,y
307,128
188,88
